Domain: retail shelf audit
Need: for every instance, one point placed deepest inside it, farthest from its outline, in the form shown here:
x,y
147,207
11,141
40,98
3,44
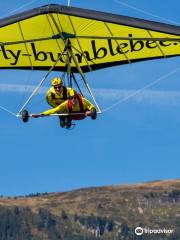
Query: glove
x,y
88,113
37,115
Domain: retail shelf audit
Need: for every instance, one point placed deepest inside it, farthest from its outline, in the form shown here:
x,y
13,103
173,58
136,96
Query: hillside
x,y
111,212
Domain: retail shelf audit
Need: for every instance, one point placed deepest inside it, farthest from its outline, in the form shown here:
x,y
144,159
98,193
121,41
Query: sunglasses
x,y
58,86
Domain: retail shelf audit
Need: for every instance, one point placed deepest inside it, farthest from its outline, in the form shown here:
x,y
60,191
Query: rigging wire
x,y
17,9
136,92
7,110
6,15
40,84
145,12
155,81
81,50
30,75
71,54
142,89
69,1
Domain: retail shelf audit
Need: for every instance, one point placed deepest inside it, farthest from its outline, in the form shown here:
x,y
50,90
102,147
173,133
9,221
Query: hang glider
x,y
37,38
74,40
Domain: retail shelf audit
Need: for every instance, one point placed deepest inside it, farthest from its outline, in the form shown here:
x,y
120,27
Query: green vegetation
x,y
93,214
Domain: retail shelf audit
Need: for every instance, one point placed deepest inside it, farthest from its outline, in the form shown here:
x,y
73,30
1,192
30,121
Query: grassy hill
x,y
111,212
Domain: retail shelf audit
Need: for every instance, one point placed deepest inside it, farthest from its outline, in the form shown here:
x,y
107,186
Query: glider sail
x,y
37,38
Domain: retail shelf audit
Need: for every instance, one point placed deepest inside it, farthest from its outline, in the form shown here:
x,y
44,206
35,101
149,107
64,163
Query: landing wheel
x,y
93,113
25,115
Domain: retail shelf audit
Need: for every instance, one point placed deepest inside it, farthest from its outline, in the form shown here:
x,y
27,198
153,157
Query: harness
x,y
82,110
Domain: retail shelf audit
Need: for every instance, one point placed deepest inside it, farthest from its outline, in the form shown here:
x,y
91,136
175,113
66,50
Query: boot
x,y
62,121
68,123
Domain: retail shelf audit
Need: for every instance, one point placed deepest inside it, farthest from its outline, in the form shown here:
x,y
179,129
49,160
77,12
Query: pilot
x,y
57,93
76,107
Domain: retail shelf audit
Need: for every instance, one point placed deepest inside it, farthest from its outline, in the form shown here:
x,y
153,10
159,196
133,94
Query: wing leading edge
x,y
38,37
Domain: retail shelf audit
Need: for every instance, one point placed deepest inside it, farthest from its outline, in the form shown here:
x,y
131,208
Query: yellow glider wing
x,y
36,39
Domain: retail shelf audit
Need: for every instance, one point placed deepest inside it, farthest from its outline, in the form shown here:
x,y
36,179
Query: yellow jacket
x,y
53,99
64,107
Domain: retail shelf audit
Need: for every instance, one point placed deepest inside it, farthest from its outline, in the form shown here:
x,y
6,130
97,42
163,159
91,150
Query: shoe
x,y
68,123
62,122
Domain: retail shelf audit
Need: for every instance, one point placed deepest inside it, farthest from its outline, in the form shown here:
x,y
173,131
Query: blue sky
x,y
136,140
